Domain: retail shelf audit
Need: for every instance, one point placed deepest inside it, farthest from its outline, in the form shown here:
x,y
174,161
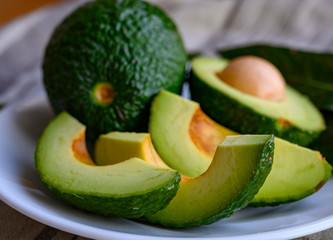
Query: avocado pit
x,y
255,76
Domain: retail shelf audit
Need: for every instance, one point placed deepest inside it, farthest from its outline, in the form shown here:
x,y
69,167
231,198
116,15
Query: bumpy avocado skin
x,y
131,45
240,118
307,71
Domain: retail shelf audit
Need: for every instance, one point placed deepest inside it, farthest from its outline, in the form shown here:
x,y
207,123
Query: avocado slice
x,y
297,172
294,118
184,137
131,188
106,61
238,170
307,71
127,145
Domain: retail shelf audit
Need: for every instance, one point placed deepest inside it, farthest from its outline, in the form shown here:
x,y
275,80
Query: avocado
x,y
297,172
187,139
131,188
106,60
127,145
239,168
295,118
308,71
184,136
324,142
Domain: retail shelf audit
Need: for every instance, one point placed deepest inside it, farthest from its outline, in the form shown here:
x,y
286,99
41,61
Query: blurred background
x,y
205,26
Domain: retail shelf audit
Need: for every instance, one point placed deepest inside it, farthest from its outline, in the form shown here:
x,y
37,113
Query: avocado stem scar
x,y
104,93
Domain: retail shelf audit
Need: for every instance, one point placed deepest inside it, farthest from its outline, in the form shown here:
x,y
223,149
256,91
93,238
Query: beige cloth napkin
x,y
205,26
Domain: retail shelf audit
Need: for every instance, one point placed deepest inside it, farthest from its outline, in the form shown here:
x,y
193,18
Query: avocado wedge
x,y
307,71
297,171
131,188
126,145
184,136
106,61
295,118
238,170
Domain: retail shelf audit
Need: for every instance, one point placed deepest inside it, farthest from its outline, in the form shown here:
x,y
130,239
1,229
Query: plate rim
x,y
87,231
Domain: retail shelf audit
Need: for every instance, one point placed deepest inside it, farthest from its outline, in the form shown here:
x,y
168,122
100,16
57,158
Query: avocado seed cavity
x,y
80,150
255,76
207,134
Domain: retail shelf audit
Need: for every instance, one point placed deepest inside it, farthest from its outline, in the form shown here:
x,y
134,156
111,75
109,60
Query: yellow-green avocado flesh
x,y
170,124
131,188
295,118
239,168
126,145
297,172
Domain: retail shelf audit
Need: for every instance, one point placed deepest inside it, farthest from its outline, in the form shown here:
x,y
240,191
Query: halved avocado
x,y
126,145
238,170
131,188
306,70
297,172
295,118
176,126
184,137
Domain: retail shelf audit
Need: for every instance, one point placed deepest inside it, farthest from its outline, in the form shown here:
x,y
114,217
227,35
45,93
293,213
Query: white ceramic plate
x,y
20,187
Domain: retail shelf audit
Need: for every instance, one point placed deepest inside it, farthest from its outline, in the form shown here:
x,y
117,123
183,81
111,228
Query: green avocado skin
x,y
309,72
128,206
324,143
234,115
264,166
240,201
131,45
149,203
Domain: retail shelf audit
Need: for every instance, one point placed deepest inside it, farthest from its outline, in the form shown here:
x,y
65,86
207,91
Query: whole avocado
x,y
106,61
